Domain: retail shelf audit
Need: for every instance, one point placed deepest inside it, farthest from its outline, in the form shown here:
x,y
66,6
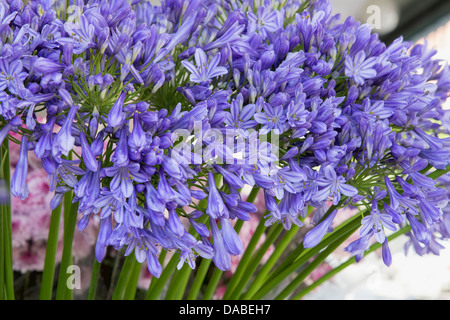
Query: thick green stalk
x,y
298,251
179,283
6,270
124,277
70,219
48,275
212,284
155,291
310,268
9,274
2,256
344,265
268,265
256,259
439,172
154,280
130,292
94,280
343,233
253,194
199,278
237,276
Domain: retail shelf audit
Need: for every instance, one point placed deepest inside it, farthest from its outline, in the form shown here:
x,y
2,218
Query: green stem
x,y
437,173
297,252
154,280
2,256
158,287
274,258
199,278
253,194
237,276
124,277
255,261
344,265
310,268
130,292
8,275
94,279
179,283
70,219
48,275
212,284
279,276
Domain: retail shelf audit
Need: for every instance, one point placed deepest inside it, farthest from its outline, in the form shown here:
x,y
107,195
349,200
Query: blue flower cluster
x,y
278,95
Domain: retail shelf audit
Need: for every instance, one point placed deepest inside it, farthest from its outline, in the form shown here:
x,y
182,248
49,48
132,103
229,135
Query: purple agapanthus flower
x,y
376,221
273,118
333,186
10,71
265,20
359,68
204,71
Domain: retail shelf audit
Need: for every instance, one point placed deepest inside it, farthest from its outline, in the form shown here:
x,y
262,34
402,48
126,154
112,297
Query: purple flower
x,y
240,117
205,70
64,142
104,233
145,249
333,186
9,72
116,116
314,236
359,68
272,118
216,207
19,186
123,177
376,222
222,258
232,242
265,21
88,157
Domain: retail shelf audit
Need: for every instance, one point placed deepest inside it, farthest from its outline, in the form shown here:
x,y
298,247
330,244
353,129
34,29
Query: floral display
x,y
152,119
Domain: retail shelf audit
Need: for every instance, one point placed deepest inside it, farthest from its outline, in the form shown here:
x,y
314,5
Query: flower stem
x,y
237,276
212,284
256,259
178,283
298,251
124,277
70,219
344,265
48,275
130,291
154,280
155,290
274,257
94,280
199,278
279,275
2,256
310,268
6,228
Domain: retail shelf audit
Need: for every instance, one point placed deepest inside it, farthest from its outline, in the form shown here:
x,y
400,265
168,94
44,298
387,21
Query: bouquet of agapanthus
x,y
165,124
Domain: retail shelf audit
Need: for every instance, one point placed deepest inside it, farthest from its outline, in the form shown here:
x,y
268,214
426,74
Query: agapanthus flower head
x,y
146,112
204,70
